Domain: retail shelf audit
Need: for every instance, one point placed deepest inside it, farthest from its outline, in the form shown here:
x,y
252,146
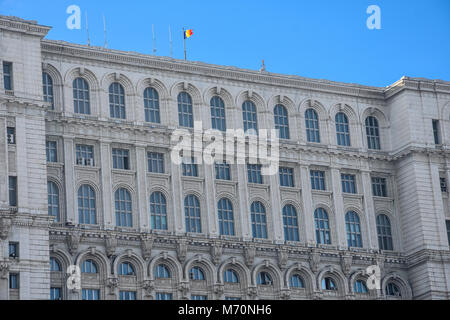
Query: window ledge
x,y
158,175
258,185
291,189
385,199
123,171
352,195
188,178
322,192
88,168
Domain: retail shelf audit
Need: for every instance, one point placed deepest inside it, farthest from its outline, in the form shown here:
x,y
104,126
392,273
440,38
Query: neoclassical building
x,y
87,180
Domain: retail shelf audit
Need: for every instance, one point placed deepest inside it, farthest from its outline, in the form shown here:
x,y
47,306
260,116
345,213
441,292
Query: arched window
x,y
81,99
342,130
53,200
124,212
86,205
158,211
393,290
312,126
226,219
353,228
89,266
281,121
230,276
47,85
55,266
328,284
185,113
373,133
218,114
126,269
259,223
322,226
360,286
151,105
116,101
162,272
290,223
264,279
296,281
196,274
192,214
249,116
384,233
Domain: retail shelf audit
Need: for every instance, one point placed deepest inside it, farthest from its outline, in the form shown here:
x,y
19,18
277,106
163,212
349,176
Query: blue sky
x,y
324,39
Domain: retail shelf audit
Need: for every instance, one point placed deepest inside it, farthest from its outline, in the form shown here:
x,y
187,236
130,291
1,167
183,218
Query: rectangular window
x,y
254,173
13,191
348,183
222,171
11,135
197,297
436,132
50,148
286,177
317,180
189,167
55,293
443,184
85,155
127,295
90,294
163,296
447,223
14,281
121,159
155,162
7,75
379,187
14,250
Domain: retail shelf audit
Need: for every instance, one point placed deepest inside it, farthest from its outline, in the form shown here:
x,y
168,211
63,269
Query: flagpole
x,y
170,41
184,43
87,30
104,31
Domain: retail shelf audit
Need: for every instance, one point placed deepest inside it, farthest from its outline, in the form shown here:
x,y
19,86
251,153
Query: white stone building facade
x,y
366,192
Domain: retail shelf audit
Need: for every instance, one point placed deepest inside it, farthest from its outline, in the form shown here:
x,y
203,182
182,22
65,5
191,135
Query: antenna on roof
x,y
104,31
87,30
170,41
154,39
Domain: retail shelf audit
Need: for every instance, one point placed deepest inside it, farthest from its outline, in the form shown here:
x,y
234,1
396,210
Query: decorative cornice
x,y
24,26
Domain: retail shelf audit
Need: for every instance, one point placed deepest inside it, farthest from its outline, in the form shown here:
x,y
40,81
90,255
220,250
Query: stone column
x,y
243,202
211,201
69,177
370,213
276,214
109,220
177,199
3,165
339,215
22,163
142,196
308,206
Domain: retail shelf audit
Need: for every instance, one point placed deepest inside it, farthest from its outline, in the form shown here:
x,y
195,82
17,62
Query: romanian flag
x,y
188,33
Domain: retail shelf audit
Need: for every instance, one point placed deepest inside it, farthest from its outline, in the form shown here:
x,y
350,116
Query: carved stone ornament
x,y
111,244
148,286
146,247
4,269
314,260
5,226
184,288
182,250
282,258
346,263
252,292
216,253
249,253
73,241
285,294
218,289
379,261
112,284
